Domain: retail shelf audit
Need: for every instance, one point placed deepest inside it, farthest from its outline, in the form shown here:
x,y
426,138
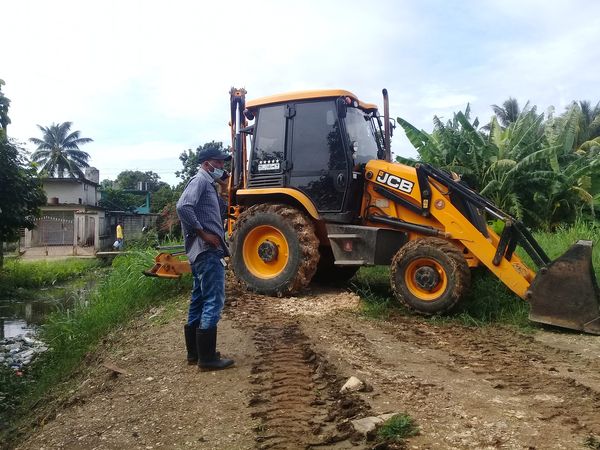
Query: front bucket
x,y
565,293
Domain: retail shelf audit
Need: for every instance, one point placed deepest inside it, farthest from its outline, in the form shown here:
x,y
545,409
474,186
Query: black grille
x,y
271,180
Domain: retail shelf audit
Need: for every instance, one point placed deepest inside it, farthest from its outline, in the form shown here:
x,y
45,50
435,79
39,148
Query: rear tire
x,y
430,275
275,250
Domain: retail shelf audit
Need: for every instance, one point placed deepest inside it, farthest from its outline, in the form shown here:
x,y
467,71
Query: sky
x,y
147,80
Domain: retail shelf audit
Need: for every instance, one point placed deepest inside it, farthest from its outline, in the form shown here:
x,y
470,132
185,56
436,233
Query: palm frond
x,y
417,138
58,150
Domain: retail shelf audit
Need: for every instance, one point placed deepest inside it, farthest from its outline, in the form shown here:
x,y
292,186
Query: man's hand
x,y
211,239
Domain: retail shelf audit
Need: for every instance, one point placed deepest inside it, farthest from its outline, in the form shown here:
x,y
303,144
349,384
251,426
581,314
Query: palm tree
x,y
508,112
588,127
59,151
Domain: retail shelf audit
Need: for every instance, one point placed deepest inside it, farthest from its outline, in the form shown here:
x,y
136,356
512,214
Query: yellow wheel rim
x,y
266,252
416,288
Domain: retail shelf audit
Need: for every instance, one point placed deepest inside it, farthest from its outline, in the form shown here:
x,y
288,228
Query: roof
x,y
307,95
71,207
69,180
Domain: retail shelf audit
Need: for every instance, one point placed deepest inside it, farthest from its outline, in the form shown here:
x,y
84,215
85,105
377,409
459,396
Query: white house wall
x,y
72,193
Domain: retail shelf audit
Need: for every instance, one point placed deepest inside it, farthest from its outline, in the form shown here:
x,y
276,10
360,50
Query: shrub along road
x,y
464,387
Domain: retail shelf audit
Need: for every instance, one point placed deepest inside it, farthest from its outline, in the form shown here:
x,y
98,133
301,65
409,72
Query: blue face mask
x,y
217,173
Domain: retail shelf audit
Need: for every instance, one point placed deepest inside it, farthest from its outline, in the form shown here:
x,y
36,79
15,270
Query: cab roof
x,y
307,95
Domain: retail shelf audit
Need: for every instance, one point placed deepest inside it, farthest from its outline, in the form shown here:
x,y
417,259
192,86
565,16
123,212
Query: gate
x,y
90,231
54,228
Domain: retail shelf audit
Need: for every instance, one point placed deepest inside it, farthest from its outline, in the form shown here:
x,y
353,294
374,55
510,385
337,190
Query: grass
x,y
592,442
372,284
33,274
71,334
489,301
397,428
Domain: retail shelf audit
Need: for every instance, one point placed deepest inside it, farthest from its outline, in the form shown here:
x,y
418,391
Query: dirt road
x,y
466,388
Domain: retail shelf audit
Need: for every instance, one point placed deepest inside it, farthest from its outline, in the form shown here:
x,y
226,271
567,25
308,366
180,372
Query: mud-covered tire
x,y
274,249
328,272
429,275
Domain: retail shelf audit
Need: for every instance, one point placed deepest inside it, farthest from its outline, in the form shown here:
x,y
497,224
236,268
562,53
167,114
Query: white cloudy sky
x,y
148,79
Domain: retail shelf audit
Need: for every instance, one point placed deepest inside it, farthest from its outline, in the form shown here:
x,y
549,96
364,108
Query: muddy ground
x,y
466,388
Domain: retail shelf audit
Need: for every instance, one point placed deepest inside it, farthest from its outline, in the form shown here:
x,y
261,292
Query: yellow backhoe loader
x,y
316,196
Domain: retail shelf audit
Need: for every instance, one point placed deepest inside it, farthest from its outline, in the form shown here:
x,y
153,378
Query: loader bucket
x,y
565,293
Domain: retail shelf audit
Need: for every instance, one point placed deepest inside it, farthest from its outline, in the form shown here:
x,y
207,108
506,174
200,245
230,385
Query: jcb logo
x,y
396,182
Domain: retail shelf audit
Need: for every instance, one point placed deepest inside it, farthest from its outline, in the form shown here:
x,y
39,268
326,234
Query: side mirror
x,y
248,114
392,127
341,107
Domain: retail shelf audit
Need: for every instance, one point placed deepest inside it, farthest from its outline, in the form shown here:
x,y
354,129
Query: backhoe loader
x,y
316,196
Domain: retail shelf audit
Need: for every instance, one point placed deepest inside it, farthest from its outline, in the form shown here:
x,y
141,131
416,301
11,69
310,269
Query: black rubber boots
x,y
208,358
190,343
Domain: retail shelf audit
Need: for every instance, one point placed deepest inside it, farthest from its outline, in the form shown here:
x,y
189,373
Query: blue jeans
x,y
208,291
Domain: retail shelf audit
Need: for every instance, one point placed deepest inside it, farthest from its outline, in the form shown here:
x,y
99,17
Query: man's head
x,y
211,159
212,154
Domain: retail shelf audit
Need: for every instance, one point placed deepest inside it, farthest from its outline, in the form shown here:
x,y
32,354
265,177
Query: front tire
x,y
430,275
275,250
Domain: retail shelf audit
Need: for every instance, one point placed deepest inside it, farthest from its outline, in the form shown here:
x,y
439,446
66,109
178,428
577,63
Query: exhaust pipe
x,y
565,293
386,125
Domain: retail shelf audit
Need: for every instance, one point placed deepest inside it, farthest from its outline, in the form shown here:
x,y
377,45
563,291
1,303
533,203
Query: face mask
x,y
217,174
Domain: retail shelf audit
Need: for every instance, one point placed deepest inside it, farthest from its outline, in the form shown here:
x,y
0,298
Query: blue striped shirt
x,y
198,209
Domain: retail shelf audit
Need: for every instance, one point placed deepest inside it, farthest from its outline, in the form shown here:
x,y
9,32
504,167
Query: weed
x,y
373,305
592,442
32,274
397,428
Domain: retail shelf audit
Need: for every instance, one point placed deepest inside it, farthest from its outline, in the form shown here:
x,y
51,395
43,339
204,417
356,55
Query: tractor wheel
x,y
328,272
274,249
429,275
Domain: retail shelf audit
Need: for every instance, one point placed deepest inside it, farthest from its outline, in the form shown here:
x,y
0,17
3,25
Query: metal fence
x,y
54,228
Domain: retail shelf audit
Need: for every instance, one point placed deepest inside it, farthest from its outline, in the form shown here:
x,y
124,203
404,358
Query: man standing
x,y
202,225
119,236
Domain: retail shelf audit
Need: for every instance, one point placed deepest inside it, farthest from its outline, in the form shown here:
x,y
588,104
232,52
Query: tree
x,y
508,112
21,193
168,223
528,168
107,184
164,196
117,194
4,104
58,151
117,200
129,179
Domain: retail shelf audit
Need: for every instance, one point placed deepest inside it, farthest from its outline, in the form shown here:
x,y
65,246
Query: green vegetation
x,y
539,168
72,334
397,428
24,274
592,442
372,284
21,194
489,301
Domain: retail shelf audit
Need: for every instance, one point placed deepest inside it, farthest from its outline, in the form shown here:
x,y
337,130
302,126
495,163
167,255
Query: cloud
x,y
147,80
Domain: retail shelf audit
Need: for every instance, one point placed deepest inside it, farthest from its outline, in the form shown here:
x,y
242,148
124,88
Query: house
x,y
72,216
73,223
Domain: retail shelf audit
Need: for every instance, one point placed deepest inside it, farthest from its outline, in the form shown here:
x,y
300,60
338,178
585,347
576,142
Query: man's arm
x,y
187,213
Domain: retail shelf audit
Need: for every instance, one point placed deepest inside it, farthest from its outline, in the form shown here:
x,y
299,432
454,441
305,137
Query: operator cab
x,y
317,142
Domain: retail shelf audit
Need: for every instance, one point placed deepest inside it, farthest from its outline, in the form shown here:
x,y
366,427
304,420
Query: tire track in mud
x,y
516,362
471,387
296,397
